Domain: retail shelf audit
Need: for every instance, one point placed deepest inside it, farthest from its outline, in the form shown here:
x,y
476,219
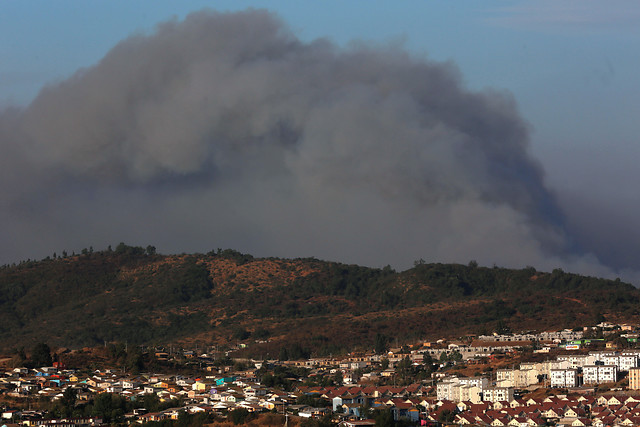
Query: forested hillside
x,y
223,297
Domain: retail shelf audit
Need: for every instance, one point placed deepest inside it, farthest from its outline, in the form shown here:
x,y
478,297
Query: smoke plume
x,y
226,130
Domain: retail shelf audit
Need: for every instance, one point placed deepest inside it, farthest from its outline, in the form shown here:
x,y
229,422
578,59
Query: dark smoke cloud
x,y
225,130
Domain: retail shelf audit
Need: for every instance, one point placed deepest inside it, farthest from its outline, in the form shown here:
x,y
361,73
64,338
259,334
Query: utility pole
x,y
284,412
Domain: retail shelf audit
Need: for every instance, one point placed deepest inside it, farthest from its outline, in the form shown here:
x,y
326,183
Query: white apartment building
x,y
576,361
566,334
505,377
518,378
497,394
624,361
525,366
564,378
596,374
481,382
444,389
461,389
546,366
600,356
464,393
627,362
613,359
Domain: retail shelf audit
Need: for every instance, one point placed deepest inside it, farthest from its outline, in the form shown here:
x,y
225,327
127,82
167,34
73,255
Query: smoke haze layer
x,y
225,130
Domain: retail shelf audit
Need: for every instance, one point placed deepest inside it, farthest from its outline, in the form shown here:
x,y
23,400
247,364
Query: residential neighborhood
x,y
471,380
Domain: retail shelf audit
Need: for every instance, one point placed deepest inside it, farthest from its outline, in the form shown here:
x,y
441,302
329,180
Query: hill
x,y
306,305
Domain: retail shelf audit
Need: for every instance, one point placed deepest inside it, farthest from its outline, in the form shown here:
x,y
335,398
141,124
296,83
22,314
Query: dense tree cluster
x,y
110,407
132,294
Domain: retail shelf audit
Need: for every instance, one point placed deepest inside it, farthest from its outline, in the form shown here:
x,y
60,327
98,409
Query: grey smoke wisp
x,y
226,130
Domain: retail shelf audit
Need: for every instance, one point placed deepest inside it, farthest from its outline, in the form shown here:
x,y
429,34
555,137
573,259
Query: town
x,y
586,377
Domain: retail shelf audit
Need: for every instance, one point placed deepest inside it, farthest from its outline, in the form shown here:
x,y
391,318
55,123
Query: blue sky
x,y
571,66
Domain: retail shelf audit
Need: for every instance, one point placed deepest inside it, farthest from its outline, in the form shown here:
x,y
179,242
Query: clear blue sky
x,y
573,68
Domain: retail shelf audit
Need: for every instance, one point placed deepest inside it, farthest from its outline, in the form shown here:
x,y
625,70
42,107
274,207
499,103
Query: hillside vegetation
x,y
307,306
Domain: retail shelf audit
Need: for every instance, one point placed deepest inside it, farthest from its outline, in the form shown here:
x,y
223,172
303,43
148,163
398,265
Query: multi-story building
x,y
564,378
481,382
612,359
464,393
518,378
461,389
596,374
444,389
576,361
627,361
634,378
601,356
497,394
544,368
505,377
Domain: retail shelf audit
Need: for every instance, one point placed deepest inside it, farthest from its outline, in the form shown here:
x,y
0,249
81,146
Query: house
x,y
338,401
465,419
225,380
11,413
552,413
519,422
405,411
352,409
500,422
609,400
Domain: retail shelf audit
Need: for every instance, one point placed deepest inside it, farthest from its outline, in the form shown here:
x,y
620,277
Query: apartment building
x,y
564,378
634,379
497,394
596,374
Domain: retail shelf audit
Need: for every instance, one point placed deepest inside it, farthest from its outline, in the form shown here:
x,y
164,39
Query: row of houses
x,y
607,410
554,336
404,402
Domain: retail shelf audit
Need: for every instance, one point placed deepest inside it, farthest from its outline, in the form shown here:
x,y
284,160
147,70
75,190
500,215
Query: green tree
x,y
135,361
110,407
322,422
419,262
384,418
239,416
446,416
69,397
151,402
241,334
384,363
284,354
381,344
19,359
41,355
338,378
65,406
